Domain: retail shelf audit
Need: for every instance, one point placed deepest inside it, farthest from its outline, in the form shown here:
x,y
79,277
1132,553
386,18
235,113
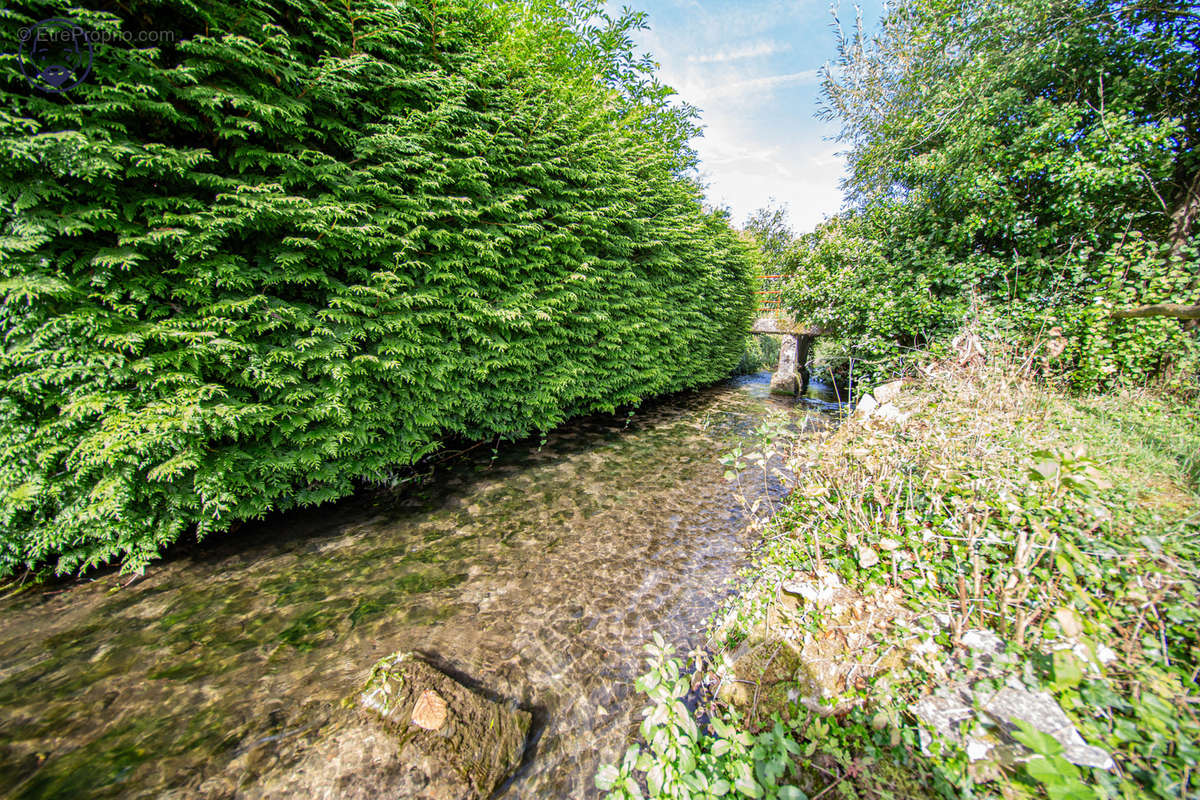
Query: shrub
x,y
1038,157
298,245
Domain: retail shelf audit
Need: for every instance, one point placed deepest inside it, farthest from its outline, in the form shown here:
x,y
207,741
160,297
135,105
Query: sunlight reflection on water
x,y
540,574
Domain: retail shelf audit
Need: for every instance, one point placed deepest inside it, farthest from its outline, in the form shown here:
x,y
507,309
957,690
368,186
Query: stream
x,y
539,570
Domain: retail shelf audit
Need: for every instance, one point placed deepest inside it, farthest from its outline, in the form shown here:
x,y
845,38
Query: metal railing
x,y
769,297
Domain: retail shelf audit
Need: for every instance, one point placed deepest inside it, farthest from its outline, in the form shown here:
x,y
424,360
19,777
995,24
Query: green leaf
x,y
607,777
687,758
1067,669
1037,741
745,783
654,779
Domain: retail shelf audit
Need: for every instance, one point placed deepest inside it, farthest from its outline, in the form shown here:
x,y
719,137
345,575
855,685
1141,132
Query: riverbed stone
x,y
889,412
816,588
782,663
887,392
457,727
411,732
992,716
866,406
1040,710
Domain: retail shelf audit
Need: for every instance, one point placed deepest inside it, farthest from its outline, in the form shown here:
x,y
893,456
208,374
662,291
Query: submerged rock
x,y
353,758
456,727
411,732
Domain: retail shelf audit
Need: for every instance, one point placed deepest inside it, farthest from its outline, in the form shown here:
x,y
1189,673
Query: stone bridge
x,y
791,375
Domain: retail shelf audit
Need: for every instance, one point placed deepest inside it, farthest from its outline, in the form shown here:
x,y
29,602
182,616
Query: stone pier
x,y
791,375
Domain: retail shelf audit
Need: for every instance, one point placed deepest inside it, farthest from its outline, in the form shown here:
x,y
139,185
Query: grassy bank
x,y
997,542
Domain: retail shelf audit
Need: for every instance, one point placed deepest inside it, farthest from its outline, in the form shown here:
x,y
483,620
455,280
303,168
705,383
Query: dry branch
x,y
1177,310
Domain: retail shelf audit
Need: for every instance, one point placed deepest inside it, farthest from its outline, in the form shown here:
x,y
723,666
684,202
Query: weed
x,y
1066,528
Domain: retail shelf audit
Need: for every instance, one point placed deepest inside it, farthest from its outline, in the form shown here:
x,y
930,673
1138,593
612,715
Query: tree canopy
x,y
1038,159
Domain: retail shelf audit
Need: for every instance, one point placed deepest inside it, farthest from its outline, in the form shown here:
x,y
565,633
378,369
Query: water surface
x,y
538,571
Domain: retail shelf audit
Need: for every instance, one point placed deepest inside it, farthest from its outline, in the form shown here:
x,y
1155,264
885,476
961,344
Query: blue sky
x,y
752,68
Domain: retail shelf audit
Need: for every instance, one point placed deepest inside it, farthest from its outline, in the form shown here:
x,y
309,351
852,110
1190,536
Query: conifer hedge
x,y
305,241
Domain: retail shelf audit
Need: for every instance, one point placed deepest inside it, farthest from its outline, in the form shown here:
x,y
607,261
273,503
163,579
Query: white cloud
x,y
760,49
762,16
753,70
744,174
758,86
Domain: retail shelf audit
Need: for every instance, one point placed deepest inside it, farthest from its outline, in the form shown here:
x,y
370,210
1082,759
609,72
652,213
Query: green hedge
x,y
304,242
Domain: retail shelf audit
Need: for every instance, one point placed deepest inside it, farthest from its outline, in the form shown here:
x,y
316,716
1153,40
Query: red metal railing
x,y
769,299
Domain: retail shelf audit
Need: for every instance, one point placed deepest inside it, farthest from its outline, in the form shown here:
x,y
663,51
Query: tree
x,y
771,230
1040,157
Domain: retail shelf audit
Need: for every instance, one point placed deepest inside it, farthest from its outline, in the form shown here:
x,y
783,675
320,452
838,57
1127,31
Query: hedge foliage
x,y
302,243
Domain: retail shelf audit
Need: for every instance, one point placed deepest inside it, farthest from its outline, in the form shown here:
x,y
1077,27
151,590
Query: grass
x,y
1142,433
1066,527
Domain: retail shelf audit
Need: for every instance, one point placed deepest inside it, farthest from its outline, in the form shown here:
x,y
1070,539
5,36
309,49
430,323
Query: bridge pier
x,y
791,374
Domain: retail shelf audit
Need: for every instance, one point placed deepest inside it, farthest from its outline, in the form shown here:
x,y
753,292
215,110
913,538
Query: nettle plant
x,y
680,760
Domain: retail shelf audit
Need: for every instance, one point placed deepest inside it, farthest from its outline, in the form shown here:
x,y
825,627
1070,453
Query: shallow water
x,y
539,573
